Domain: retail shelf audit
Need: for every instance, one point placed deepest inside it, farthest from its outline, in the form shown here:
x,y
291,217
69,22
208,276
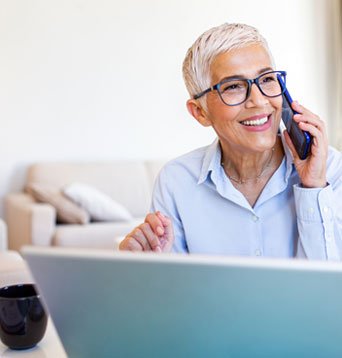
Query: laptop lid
x,y
122,304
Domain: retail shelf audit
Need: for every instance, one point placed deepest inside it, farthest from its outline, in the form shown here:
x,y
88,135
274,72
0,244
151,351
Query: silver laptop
x,y
115,304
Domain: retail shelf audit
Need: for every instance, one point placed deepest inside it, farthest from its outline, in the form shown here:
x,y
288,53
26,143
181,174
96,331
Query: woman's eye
x,y
232,87
268,79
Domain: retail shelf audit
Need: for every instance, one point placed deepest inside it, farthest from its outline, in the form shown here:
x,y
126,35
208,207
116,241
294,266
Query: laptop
x,y
122,304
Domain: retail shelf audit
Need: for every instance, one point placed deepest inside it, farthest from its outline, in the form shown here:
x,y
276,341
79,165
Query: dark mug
x,y
22,317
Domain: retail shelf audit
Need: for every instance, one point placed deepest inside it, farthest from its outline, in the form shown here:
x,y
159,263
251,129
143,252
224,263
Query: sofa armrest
x,y
28,222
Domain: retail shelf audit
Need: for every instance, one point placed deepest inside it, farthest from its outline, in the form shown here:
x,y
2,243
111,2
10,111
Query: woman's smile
x,y
258,123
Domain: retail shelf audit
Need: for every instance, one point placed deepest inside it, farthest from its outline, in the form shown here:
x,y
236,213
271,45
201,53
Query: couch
x,y
13,269
3,236
35,222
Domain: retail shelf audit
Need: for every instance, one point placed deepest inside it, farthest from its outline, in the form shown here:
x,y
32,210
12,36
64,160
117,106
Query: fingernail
x,y
158,249
160,230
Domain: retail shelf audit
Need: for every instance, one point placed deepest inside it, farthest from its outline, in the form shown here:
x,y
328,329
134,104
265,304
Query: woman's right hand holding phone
x,y
155,234
312,170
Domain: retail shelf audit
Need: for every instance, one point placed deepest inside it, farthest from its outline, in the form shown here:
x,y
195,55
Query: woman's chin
x,y
258,148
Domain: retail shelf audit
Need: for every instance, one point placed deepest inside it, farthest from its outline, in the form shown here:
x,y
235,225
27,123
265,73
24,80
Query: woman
x,y
248,193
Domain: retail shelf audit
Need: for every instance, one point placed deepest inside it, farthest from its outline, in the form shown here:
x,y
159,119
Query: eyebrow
x,y
240,77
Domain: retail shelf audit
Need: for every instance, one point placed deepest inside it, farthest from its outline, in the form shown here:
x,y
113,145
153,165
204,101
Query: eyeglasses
x,y
234,91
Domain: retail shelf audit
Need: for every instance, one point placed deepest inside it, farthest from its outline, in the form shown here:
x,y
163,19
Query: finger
x,y
155,223
301,118
168,228
161,217
164,219
307,116
313,130
139,236
130,244
151,237
300,108
307,121
297,107
319,142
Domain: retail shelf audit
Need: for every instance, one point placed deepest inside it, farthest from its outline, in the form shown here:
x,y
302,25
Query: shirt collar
x,y
212,160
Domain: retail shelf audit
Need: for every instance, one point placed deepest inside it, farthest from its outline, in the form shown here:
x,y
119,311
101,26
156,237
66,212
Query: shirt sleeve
x,y
319,222
163,200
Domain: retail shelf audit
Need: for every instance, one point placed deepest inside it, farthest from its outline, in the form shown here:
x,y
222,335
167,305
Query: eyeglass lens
x,y
236,91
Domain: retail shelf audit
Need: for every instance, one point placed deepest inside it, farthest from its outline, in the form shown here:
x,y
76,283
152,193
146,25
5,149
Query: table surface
x,y
49,346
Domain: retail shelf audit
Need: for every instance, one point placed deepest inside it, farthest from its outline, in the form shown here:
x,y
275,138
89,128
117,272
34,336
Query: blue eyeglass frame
x,y
249,82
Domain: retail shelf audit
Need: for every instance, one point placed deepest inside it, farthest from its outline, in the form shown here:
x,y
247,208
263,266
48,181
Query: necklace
x,y
243,181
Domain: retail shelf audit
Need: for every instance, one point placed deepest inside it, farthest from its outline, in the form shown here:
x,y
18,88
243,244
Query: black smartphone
x,y
300,139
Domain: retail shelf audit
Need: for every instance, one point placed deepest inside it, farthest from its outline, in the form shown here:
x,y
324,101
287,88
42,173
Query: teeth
x,y
256,122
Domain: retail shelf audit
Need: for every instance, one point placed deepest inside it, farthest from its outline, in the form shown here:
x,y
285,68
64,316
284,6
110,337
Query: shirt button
x,y
255,218
325,209
328,238
311,210
257,252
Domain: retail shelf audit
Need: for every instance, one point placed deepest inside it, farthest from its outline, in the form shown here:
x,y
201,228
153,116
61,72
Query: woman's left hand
x,y
312,170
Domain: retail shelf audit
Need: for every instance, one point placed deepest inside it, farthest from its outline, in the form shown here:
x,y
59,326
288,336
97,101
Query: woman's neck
x,y
250,167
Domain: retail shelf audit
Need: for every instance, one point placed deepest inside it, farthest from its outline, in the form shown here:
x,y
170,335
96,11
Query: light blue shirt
x,y
210,216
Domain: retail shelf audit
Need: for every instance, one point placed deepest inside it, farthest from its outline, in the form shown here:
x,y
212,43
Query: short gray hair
x,y
220,39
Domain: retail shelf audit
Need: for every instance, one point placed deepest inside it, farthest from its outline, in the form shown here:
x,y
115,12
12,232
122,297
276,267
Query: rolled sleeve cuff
x,y
315,213
314,204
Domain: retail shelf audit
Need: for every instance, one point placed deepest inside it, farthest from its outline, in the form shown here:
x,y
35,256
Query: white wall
x,y
101,79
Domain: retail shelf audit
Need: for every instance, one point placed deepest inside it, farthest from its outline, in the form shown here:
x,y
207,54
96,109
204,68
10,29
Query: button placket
x,y
257,250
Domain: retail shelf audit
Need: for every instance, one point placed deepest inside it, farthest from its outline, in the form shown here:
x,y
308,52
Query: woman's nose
x,y
256,98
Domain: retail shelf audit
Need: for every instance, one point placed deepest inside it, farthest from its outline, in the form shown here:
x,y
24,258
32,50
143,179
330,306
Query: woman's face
x,y
229,122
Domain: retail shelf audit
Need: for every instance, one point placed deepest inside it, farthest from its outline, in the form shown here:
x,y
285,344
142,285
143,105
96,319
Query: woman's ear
x,y
198,112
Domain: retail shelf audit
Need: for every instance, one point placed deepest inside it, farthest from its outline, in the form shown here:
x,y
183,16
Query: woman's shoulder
x,y
185,169
191,160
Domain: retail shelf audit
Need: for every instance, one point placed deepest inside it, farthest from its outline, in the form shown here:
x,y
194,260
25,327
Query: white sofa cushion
x,y
100,206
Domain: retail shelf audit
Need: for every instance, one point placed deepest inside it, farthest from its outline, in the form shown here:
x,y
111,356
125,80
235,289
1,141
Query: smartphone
x,y
300,139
